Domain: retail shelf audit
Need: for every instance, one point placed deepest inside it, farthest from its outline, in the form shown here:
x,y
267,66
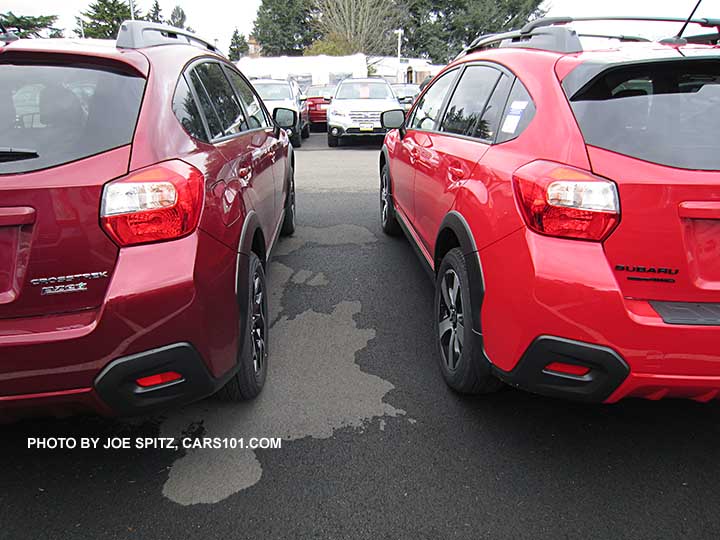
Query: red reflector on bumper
x,y
567,369
159,378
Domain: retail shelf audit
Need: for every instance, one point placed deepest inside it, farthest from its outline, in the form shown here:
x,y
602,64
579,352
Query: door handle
x,y
699,210
244,176
456,173
18,215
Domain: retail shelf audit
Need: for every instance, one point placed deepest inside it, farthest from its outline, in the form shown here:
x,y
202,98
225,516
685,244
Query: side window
x,y
186,111
489,124
231,119
467,105
428,109
519,112
256,116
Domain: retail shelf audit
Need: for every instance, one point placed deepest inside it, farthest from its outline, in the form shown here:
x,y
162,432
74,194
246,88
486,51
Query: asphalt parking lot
x,y
374,444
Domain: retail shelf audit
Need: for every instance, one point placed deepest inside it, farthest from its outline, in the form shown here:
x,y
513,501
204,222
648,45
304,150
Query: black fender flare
x,y
455,222
242,264
384,154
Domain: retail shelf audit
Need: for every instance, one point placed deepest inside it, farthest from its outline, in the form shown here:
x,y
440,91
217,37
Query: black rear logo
x,y
657,273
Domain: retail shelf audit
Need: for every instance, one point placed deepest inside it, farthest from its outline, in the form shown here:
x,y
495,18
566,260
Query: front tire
x,y
305,133
462,362
332,140
249,380
296,139
388,219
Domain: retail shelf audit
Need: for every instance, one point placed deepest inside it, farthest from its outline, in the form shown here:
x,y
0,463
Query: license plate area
x,y
367,126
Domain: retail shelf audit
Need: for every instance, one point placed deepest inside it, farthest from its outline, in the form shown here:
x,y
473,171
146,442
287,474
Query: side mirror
x,y
394,119
284,119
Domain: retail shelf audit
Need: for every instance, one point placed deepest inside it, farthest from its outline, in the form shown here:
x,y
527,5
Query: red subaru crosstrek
x,y
142,185
567,203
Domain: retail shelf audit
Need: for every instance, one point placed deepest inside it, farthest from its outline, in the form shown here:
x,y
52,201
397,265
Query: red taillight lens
x,y
558,200
159,378
158,203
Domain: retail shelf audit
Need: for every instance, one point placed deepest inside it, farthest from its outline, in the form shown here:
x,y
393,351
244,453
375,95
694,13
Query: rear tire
x,y
249,380
464,367
388,219
305,133
288,226
332,140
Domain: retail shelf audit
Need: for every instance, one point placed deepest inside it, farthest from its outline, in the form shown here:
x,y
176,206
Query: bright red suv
x,y
142,185
567,204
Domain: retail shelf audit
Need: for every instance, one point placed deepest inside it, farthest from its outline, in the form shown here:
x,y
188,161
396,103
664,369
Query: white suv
x,y
356,107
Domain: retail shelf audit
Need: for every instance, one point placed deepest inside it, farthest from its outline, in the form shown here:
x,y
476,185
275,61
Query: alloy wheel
x,y
384,199
259,325
451,320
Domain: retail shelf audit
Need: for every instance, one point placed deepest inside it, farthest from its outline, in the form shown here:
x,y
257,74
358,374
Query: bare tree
x,y
366,25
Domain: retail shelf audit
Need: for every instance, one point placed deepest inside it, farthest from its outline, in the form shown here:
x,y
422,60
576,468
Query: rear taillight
x,y
558,200
158,203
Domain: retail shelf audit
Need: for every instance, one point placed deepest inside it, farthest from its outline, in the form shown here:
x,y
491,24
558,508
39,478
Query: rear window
x,y
273,91
364,90
320,91
665,113
55,114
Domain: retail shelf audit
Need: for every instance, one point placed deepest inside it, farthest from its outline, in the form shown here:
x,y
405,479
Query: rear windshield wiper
x,y
16,154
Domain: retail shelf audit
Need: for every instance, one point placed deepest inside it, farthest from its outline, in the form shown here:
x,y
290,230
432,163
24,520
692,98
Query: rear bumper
x,y
318,117
561,291
160,295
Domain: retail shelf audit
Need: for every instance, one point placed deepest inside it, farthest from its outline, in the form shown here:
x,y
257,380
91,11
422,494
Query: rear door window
x,y
662,112
218,100
468,110
58,113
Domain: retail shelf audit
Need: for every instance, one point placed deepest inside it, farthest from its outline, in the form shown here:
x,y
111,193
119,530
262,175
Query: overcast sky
x,y
216,19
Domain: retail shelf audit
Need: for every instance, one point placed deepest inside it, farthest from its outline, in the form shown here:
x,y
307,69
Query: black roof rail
x,y
141,34
550,34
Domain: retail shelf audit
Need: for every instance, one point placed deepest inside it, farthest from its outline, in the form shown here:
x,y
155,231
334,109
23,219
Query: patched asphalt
x,y
374,444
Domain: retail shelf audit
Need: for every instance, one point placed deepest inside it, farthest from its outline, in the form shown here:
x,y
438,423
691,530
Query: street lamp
x,y
399,33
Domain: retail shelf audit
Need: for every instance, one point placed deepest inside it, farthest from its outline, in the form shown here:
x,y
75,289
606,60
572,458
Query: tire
x,y
305,133
288,226
388,219
249,380
332,141
296,139
464,368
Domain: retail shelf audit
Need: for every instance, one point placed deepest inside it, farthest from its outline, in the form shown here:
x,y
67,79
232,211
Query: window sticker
x,y
512,120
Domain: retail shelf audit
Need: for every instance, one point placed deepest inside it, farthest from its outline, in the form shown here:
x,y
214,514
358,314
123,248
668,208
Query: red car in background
x,y
567,203
318,100
142,187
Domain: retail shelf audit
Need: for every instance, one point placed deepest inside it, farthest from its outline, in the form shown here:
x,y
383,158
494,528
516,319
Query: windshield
x,y
273,91
364,90
62,113
664,112
320,91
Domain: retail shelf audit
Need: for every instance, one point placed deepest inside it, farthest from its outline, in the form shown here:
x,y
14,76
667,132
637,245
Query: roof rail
x,y
141,34
550,34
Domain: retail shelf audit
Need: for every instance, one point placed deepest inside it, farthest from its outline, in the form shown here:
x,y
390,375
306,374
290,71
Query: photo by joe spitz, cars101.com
x,y
560,187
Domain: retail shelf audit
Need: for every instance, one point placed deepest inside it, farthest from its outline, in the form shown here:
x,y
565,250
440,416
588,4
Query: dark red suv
x,y
567,204
142,186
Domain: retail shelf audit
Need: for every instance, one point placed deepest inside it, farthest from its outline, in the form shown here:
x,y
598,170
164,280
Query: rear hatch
x,y
65,130
654,129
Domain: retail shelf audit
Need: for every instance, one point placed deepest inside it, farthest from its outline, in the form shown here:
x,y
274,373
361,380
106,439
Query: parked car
x,y
567,203
287,95
406,94
318,100
142,187
356,108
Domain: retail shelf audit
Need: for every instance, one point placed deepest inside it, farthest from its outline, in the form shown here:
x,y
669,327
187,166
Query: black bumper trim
x,y
697,313
116,384
607,370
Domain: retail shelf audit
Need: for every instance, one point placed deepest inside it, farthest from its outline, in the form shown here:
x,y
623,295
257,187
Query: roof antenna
x,y
678,39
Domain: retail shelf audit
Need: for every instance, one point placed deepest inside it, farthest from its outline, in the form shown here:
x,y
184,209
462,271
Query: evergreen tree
x,y
155,14
25,26
238,46
285,27
103,18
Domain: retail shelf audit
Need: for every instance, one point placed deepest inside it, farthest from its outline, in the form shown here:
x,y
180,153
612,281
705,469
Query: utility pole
x,y
82,28
132,10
